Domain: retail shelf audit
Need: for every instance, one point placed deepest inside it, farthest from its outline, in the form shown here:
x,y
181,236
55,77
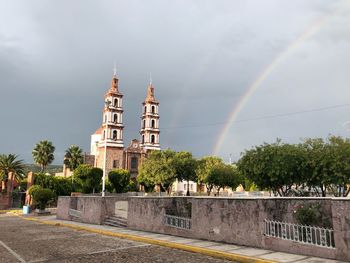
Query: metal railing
x,y
312,235
178,222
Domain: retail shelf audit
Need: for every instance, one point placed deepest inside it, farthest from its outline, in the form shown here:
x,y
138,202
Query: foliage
x,y
43,154
119,179
108,186
87,178
132,186
339,174
58,185
322,166
309,215
94,179
73,157
275,166
33,189
23,184
158,169
204,170
224,175
185,167
42,196
10,163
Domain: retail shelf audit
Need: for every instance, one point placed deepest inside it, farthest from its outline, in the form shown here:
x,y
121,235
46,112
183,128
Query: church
x,y
107,145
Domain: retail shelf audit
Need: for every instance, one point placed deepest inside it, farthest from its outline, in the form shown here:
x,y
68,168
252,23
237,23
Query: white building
x,y
183,186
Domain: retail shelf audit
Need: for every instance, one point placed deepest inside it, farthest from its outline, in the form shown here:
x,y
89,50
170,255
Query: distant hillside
x,y
52,169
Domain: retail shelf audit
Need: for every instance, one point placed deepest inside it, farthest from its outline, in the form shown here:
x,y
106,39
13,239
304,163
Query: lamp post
x,y
104,169
107,103
96,153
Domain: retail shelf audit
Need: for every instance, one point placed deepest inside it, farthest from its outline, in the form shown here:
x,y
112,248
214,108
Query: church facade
x,y
107,145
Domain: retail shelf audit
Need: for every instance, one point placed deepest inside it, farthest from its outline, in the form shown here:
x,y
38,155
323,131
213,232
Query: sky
x,y
57,58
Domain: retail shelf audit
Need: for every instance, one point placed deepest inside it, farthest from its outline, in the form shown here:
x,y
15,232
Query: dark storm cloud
x,y
56,62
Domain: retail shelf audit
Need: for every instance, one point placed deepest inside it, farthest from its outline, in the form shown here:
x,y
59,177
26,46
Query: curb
x,y
13,211
205,251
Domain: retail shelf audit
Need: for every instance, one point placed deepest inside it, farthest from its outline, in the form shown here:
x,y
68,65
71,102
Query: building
x,y
107,144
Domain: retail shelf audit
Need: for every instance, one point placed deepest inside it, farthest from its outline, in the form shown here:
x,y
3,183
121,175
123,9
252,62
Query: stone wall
x,y
87,209
241,220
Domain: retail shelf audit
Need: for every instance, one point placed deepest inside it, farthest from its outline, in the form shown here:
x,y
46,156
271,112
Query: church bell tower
x,y
112,124
111,145
150,121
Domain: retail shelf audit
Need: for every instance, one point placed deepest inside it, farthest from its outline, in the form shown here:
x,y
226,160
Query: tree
x,y
87,178
41,196
94,179
339,176
73,157
10,163
185,168
204,168
224,175
318,165
158,169
275,166
58,185
120,180
43,154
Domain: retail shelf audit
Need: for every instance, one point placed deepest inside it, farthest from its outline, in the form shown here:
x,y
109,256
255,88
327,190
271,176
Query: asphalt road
x,y
27,241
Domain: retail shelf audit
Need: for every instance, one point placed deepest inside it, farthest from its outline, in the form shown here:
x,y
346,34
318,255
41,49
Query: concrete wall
x,y
90,209
241,220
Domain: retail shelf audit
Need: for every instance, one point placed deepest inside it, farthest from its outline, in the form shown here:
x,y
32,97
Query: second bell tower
x,y
150,121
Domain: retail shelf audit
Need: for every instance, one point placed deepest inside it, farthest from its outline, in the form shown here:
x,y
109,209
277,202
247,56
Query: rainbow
x,y
311,30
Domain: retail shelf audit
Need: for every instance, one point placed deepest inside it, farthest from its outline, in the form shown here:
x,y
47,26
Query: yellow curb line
x,y
14,211
205,251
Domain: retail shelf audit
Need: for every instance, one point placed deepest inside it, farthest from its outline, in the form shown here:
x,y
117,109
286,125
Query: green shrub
x,y
59,185
309,215
120,179
87,179
42,196
132,186
33,189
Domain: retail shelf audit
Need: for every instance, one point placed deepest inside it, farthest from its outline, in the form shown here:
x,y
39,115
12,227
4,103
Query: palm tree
x,y
73,157
43,154
10,163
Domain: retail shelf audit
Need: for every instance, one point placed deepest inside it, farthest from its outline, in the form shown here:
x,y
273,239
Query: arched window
x,y
144,124
104,135
153,124
115,118
143,138
134,163
145,109
116,102
153,109
115,135
153,139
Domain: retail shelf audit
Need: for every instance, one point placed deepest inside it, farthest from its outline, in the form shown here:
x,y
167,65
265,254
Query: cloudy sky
x,y
56,63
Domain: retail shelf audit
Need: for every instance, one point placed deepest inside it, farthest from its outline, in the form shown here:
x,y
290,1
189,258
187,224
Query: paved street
x,y
26,241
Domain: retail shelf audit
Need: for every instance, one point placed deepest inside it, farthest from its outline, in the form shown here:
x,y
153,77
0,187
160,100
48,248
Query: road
x,y
26,241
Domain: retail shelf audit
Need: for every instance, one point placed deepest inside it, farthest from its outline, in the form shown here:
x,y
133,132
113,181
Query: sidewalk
x,y
216,249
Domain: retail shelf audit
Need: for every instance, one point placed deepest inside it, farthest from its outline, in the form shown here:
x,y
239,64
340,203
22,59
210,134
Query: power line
x,y
258,118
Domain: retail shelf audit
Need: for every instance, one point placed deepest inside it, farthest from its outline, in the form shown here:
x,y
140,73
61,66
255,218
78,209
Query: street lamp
x,y
107,103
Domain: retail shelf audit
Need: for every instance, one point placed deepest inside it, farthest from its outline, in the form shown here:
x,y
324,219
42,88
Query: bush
x,y
59,185
87,179
132,186
33,189
41,197
119,179
309,215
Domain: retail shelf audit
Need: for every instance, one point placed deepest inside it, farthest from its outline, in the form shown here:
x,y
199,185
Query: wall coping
x,y
222,197
245,198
